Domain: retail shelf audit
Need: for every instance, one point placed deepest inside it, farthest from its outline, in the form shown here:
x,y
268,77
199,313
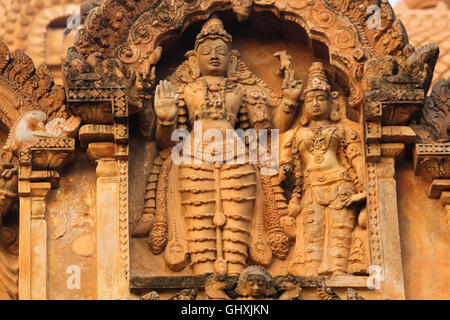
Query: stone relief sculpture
x,y
9,268
432,126
255,283
222,218
324,154
290,287
33,109
32,126
224,225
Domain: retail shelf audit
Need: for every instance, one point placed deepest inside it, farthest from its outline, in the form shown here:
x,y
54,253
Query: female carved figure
x,y
324,154
213,220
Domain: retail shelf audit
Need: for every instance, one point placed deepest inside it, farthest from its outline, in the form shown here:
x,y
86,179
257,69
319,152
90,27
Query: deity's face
x,y
317,105
256,285
213,57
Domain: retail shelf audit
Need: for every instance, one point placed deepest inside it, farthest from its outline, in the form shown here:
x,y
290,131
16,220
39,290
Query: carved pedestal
x,y
388,239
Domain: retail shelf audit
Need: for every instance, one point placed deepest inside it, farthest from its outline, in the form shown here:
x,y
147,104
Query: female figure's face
x,y
213,58
317,105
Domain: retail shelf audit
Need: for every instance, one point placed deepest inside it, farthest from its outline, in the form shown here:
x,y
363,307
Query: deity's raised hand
x,y
166,101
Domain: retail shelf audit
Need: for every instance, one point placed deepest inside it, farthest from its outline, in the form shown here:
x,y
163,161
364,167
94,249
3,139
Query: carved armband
x,y
166,123
351,148
352,152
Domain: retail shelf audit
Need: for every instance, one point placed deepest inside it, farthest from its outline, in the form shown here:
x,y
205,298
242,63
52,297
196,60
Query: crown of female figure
x,y
317,79
213,29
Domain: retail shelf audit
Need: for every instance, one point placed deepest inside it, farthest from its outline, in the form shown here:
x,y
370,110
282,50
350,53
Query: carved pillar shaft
x,y
445,200
383,221
38,240
25,236
107,228
112,229
33,244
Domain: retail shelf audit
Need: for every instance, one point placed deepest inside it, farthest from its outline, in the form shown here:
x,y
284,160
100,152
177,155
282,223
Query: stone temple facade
x,y
224,149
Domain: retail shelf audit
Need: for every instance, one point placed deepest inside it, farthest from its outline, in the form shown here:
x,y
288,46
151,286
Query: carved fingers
x,y
294,207
166,101
7,173
356,198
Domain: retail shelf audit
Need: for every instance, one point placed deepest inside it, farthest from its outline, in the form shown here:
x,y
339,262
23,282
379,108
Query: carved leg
x,y
238,190
312,218
198,203
339,235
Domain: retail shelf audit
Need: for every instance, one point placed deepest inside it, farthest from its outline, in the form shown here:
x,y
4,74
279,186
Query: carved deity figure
x,y
324,155
216,214
255,283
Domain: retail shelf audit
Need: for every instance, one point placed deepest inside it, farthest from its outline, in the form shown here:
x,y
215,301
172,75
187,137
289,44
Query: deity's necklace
x,y
320,143
215,99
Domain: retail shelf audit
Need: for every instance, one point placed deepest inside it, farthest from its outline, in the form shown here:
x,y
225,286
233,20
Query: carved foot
x,y
143,226
176,255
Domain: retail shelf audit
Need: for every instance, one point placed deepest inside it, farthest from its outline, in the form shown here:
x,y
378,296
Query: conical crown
x,y
317,79
213,29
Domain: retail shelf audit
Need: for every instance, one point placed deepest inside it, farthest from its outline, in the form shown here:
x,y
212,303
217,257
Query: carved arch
x,y
35,45
130,32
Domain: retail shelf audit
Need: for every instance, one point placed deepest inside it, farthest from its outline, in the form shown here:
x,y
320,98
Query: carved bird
x,y
353,295
31,127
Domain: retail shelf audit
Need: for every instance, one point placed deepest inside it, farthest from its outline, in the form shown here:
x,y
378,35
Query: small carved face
x,y
317,105
256,285
213,57
288,284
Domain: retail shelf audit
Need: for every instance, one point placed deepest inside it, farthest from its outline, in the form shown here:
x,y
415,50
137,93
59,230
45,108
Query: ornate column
x,y
105,135
40,162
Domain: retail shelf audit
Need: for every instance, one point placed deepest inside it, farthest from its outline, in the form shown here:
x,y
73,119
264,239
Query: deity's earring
x,y
192,60
335,114
232,66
